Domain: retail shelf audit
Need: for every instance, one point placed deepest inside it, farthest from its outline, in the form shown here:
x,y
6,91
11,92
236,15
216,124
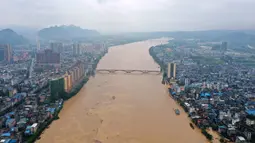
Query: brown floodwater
x,y
123,108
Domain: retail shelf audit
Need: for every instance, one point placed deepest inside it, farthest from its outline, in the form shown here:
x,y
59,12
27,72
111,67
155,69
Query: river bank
x,y
45,125
65,97
207,133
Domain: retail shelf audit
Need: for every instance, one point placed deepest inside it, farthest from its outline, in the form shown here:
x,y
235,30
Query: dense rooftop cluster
x,y
214,88
26,106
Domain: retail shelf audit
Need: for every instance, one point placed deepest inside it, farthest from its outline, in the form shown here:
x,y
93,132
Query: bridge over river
x,y
128,71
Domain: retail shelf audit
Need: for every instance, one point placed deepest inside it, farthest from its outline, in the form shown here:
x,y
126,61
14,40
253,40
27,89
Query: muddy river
x,y
123,108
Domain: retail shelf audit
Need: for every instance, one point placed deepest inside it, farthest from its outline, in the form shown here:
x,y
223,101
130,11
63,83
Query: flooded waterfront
x,y
123,108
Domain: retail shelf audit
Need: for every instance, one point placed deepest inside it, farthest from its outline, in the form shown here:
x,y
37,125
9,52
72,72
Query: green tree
x,y
214,127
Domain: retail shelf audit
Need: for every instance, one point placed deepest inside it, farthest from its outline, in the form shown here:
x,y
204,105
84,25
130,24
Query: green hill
x,y
66,33
8,36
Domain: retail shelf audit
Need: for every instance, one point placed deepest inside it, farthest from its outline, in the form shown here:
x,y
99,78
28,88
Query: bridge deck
x,y
127,70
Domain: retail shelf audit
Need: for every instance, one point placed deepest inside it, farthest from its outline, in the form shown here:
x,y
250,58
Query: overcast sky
x,y
131,15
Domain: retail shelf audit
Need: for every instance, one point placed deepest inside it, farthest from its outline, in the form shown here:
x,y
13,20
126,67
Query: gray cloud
x,y
131,15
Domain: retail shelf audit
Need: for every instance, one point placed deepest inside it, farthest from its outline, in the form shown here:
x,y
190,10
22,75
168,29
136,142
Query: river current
x,y
123,108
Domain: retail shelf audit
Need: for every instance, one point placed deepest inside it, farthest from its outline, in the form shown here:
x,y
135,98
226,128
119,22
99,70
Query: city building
x,y
38,46
56,47
186,81
48,57
68,82
240,139
171,70
224,46
77,71
5,53
57,87
76,49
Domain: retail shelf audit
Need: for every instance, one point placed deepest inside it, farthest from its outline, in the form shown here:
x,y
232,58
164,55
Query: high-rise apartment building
x,y
47,57
171,70
224,46
68,82
76,49
38,46
186,81
5,53
56,47
77,71
57,87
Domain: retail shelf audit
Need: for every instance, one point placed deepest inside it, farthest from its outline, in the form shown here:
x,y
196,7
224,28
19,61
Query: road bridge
x,y
112,71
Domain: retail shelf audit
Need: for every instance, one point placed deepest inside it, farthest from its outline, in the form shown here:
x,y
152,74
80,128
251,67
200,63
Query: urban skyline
x,y
111,71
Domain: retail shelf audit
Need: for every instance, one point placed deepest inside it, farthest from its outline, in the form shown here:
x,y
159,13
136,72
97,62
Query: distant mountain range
x,y
238,38
8,36
66,33
235,38
26,31
58,33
